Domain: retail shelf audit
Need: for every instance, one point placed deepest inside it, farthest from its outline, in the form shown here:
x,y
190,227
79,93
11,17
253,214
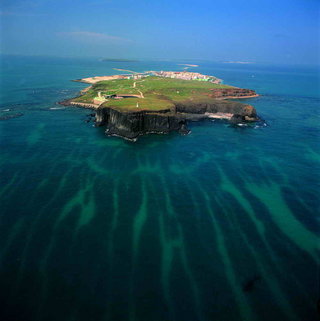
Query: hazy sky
x,y
275,31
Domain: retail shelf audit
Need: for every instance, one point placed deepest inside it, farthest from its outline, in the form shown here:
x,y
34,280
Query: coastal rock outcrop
x,y
131,124
224,93
10,116
216,106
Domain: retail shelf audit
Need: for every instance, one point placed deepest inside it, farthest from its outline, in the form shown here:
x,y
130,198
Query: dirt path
x,y
135,86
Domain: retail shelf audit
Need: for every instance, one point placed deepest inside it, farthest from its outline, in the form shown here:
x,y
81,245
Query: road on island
x,y
135,85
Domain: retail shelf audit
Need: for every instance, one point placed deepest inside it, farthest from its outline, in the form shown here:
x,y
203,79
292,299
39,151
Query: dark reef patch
x,y
10,116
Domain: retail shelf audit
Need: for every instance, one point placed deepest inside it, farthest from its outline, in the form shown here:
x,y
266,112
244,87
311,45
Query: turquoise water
x,y
170,227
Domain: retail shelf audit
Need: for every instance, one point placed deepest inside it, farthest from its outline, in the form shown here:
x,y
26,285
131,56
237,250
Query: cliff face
x,y
216,106
130,125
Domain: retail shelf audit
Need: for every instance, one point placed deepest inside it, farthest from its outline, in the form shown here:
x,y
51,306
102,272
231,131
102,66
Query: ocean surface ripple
x,y
221,224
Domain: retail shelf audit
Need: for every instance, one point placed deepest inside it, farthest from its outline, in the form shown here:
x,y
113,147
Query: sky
x,y
258,31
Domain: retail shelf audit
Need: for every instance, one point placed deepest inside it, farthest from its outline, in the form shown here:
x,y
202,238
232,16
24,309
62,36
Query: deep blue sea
x,y
221,224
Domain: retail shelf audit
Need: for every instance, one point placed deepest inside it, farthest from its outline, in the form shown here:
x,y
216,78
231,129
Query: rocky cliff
x,y
233,92
131,125
215,106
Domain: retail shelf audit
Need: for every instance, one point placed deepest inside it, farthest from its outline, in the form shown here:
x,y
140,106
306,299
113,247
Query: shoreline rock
x,y
232,93
131,125
10,116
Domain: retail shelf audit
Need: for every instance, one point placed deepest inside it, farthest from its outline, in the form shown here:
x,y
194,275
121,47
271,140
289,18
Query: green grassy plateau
x,y
159,93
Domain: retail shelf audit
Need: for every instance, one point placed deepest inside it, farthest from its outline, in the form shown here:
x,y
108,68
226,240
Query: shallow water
x,y
221,224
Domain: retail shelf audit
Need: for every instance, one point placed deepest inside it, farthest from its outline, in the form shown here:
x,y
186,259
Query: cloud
x,y
93,36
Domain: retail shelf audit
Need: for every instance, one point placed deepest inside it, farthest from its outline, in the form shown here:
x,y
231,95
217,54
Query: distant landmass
x,y
118,60
238,62
160,102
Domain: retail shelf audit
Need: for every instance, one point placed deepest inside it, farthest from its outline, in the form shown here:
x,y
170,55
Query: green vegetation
x,y
159,93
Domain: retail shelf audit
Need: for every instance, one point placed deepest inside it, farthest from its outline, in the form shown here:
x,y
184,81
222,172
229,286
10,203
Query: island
x,y
135,104
118,60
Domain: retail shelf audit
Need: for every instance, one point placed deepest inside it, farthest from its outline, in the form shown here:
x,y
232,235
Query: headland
x,y
135,104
